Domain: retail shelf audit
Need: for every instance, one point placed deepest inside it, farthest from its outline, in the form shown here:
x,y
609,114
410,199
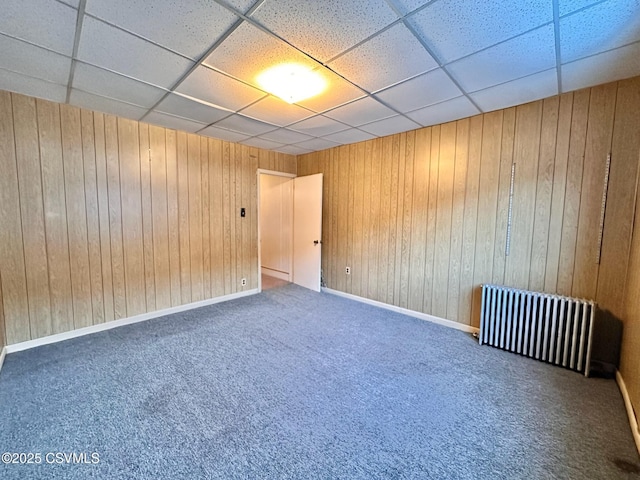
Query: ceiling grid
x,y
390,65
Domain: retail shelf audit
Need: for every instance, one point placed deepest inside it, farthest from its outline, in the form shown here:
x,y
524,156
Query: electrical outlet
x,y
347,270
243,282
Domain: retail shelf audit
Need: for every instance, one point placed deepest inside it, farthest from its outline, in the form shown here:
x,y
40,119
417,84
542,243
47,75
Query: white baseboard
x,y
59,337
275,274
405,311
3,353
633,421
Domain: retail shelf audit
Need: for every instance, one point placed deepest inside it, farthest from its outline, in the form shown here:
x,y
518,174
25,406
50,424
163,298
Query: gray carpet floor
x,y
295,384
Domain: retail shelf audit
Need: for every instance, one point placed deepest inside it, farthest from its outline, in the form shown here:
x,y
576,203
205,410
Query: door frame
x,y
262,171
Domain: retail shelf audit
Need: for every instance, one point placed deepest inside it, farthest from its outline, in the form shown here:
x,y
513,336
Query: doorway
x,y
289,229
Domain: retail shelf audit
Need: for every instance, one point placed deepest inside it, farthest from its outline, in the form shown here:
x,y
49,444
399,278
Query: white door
x,y
307,230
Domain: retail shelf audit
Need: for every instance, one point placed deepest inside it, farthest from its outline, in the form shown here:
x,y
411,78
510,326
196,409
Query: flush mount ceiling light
x,y
291,82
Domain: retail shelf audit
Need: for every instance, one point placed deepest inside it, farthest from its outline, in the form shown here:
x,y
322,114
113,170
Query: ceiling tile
x,y
427,89
41,63
16,82
218,89
105,105
569,6
294,150
386,59
257,52
407,6
456,28
276,111
524,55
351,135
189,28
338,92
444,112
223,134
185,107
262,143
240,123
389,126
286,136
361,111
317,144
602,27
325,28
71,3
318,126
103,82
175,123
242,6
46,23
135,57
523,90
605,67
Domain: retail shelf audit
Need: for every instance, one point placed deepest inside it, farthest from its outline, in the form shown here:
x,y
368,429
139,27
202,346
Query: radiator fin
x,y
550,328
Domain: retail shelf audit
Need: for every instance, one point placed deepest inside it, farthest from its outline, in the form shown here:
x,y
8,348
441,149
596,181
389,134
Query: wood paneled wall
x,y
421,217
105,218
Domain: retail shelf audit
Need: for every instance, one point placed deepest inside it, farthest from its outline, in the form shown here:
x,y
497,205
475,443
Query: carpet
x,y
295,384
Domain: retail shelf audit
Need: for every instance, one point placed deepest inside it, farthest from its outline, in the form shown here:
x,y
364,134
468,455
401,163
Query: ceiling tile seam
x,y
510,81
198,63
582,9
204,56
401,82
4,69
33,44
247,17
76,43
140,37
361,42
65,4
636,42
437,59
141,107
556,35
120,74
526,32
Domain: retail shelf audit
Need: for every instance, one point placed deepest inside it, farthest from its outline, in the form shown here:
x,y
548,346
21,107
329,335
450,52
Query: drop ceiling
x,y
391,65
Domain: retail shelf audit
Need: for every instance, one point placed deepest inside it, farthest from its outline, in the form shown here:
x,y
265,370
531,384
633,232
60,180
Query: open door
x,y
307,231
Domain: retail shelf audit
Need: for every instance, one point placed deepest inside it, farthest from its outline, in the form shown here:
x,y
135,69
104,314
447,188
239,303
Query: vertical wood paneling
x,y
182,160
31,209
394,167
74,188
195,217
558,194
457,217
376,173
147,216
350,216
104,218
217,213
206,217
173,218
525,156
433,167
159,217
12,267
385,204
132,224
115,216
443,208
470,220
56,223
616,242
359,208
573,191
544,192
421,210
405,233
597,147
93,215
504,183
